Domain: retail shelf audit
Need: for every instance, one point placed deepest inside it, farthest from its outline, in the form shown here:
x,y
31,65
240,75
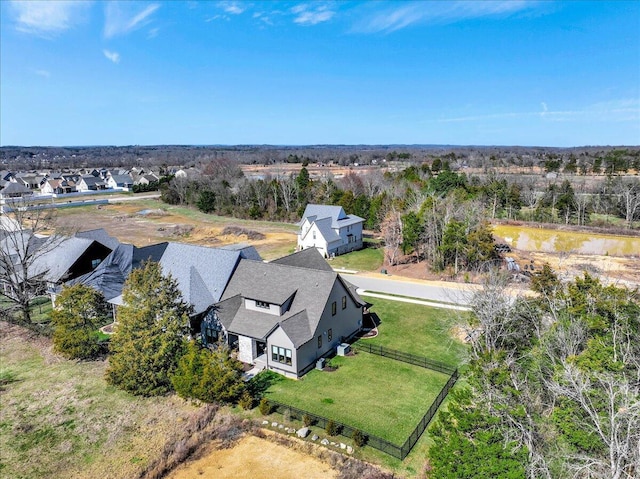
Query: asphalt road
x,y
456,294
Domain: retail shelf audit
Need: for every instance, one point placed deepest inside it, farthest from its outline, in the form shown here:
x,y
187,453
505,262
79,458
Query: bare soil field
x,y
254,458
147,222
316,170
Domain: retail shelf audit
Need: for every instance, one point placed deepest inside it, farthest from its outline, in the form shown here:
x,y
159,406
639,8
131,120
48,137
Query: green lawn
x,y
380,396
40,308
417,329
368,259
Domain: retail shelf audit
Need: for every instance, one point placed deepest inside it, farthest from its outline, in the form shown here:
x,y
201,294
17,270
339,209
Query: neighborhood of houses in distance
x,y
284,315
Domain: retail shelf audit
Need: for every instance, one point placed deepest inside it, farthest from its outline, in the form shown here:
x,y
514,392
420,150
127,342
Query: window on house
x,y
333,308
330,335
319,341
281,355
344,302
262,304
314,235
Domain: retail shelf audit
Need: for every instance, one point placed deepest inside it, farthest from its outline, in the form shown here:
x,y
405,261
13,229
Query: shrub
x,y
209,376
246,401
359,438
332,428
80,311
264,407
308,420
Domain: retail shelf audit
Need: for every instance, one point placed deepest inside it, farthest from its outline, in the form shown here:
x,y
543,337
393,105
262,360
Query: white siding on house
x,y
246,349
342,239
313,238
273,309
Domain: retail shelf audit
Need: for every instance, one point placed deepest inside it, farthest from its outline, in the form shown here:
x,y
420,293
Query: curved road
x,y
454,293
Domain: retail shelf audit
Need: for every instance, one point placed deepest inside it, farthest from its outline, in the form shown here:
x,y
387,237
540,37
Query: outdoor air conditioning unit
x,y
343,349
320,364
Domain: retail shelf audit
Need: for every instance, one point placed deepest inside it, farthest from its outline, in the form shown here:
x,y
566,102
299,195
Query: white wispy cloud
x,y
49,18
609,111
233,8
312,14
113,56
124,17
395,17
627,109
43,73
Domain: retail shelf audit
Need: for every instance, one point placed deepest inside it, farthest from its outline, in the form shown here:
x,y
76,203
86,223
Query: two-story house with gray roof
x,y
330,230
286,314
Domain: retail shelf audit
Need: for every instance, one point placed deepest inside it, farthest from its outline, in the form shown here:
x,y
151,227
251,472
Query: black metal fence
x,y
426,419
405,357
345,430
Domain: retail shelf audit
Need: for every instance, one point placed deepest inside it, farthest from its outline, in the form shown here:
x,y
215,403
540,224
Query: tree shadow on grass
x,y
262,381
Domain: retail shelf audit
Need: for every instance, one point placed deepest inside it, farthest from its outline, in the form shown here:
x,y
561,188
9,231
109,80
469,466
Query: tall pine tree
x,y
149,337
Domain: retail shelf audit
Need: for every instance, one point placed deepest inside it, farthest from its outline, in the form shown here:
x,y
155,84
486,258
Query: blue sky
x,y
477,72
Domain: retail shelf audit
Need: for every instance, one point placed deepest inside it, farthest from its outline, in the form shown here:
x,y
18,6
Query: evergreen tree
x,y
80,311
209,376
206,201
469,444
454,241
148,339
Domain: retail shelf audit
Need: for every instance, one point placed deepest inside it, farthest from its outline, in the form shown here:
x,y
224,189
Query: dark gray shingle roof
x,y
12,188
201,273
101,236
58,257
309,258
275,283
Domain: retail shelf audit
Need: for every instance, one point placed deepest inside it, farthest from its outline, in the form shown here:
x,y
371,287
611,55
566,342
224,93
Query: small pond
x,y
529,238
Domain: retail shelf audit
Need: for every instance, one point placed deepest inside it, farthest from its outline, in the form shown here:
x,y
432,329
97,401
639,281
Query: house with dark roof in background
x,y
91,183
202,273
13,193
330,230
51,261
286,314
124,182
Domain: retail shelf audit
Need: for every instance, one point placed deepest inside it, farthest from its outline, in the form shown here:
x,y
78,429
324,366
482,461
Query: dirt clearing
x,y
145,222
254,458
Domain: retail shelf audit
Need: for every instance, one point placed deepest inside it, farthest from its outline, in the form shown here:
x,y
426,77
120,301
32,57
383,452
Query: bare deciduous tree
x,y
21,244
391,228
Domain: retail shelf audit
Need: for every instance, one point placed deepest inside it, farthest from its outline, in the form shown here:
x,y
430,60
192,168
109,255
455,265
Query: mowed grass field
x,y
383,397
379,395
417,329
368,259
58,418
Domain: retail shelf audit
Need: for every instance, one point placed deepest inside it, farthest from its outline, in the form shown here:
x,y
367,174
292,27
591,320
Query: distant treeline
x,y
580,159
428,211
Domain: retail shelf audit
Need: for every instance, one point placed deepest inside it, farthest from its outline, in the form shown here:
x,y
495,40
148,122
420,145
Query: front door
x,y
261,348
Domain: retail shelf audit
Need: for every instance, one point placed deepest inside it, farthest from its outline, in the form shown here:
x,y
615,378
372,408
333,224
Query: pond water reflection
x,y
556,241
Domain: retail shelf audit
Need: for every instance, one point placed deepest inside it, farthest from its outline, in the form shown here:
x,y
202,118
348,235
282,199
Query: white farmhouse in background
x,y
330,230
